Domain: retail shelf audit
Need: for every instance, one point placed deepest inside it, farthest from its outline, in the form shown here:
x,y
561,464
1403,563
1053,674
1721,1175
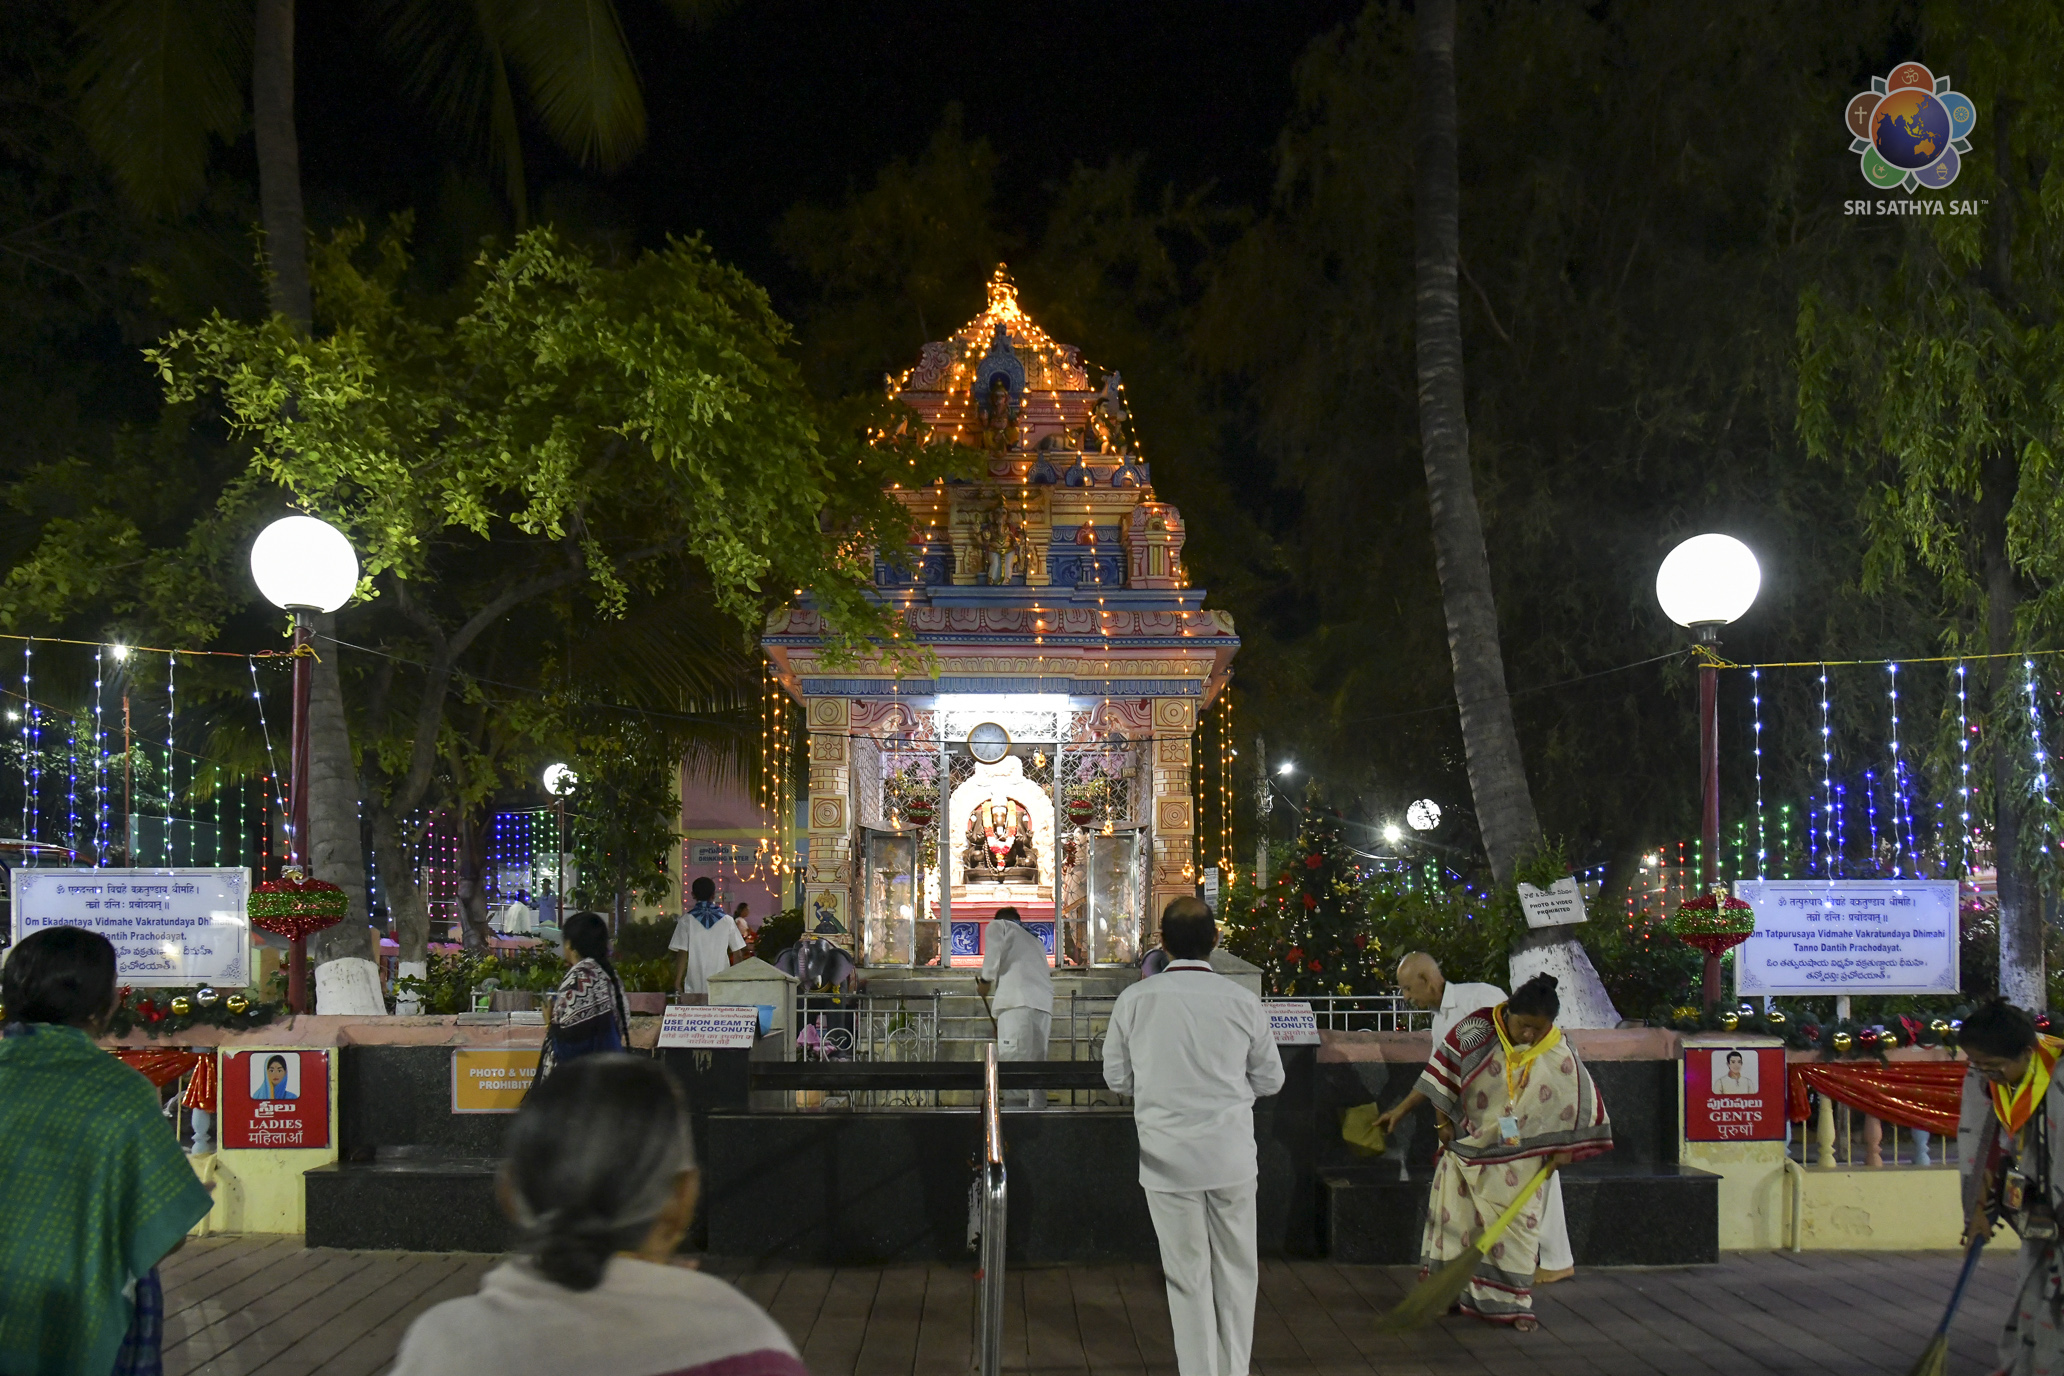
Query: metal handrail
x,y
989,1180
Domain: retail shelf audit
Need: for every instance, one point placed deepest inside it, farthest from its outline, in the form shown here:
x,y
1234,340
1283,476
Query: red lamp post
x,y
1707,582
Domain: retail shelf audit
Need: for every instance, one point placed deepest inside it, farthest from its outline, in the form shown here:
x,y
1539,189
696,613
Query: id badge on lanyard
x,y
1508,1130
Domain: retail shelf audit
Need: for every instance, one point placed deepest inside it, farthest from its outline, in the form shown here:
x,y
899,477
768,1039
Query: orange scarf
x,y
2016,1106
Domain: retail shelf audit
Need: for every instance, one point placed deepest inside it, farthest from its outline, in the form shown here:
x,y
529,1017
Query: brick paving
x,y
238,1305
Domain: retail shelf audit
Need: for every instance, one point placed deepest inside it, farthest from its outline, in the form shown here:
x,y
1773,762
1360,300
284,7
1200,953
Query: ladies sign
x,y
275,1100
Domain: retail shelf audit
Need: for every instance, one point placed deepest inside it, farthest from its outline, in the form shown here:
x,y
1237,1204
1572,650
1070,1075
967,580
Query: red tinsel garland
x,y
295,908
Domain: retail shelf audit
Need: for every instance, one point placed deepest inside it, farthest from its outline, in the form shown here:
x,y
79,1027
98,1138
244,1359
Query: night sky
x,y
783,101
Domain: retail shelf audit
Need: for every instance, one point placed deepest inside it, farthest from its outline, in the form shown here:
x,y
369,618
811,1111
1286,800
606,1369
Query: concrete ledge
x,y
1616,1044
316,1030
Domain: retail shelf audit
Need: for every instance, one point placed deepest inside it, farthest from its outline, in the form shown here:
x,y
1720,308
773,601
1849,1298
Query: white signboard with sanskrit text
x,y
1849,936
1292,1023
709,1026
171,927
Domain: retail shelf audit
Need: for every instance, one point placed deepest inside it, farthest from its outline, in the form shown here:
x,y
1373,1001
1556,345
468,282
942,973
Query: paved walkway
x,y
268,1305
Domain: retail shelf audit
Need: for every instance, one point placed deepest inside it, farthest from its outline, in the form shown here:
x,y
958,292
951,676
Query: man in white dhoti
x,y
1419,975
1014,962
1194,1051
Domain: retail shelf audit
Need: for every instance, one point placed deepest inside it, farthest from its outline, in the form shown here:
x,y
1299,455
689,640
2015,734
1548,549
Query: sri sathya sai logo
x,y
1911,129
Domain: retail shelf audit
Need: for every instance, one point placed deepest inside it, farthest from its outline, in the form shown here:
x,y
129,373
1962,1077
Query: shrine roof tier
x,y
1016,640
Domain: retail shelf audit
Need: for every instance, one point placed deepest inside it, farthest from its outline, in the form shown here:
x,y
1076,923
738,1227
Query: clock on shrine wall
x,y
988,742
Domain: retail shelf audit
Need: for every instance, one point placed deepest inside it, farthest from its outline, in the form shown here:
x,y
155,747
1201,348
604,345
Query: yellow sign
x,y
491,1081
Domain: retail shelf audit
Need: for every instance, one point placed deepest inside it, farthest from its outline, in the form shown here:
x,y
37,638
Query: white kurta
x,y
709,949
1014,961
1194,1050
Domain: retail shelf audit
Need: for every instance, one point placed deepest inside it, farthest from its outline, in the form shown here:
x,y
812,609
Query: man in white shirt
x,y
1194,1051
1734,1081
1419,975
1014,963
706,941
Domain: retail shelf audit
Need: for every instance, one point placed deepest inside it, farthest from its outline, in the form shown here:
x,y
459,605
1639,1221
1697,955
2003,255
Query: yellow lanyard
x,y
2016,1106
1519,1061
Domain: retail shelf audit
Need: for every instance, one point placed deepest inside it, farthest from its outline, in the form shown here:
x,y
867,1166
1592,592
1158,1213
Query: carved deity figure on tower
x,y
1104,431
1000,540
999,412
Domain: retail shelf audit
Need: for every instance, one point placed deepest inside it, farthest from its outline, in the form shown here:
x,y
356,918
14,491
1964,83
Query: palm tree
x,y
159,79
1497,770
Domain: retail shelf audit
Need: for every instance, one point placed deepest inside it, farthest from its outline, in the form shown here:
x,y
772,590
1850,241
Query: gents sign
x,y
277,1100
1292,1023
710,1026
172,927
1734,1093
1875,936
491,1081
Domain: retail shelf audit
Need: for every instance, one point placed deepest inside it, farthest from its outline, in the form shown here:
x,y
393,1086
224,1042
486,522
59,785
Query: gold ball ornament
x,y
1730,1020
236,1003
181,1006
1774,1018
1842,1042
1940,1027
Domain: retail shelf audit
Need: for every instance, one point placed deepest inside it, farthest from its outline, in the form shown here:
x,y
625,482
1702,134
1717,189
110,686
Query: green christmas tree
x,y
1312,928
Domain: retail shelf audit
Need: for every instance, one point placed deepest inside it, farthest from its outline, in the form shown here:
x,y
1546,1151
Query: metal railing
x,y
1837,1135
1365,1013
992,1191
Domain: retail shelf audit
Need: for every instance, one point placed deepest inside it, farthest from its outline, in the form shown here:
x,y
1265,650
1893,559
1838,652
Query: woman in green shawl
x,y
94,1190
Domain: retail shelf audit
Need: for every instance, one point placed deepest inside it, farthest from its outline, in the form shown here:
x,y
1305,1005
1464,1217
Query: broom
x,y
1432,1296
1935,1356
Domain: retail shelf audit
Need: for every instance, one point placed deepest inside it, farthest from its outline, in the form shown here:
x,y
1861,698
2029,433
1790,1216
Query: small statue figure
x,y
1105,430
999,411
1001,542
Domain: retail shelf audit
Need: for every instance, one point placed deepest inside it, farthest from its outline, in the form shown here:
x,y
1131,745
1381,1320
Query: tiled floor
x,y
251,1305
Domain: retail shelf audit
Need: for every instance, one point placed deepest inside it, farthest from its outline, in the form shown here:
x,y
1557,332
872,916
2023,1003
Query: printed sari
x,y
1474,1080
588,1015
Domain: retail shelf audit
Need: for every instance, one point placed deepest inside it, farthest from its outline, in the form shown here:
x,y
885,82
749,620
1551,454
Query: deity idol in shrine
x,y
999,847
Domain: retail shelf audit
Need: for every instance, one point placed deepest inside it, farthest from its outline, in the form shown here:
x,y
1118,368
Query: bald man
x,y
1419,975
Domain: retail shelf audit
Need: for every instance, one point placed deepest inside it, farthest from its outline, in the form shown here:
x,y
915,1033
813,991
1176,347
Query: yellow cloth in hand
x,y
1358,1128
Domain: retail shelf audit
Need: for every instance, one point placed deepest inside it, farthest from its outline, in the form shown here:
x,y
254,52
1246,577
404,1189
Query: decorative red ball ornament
x,y
1081,811
918,812
293,907
1713,922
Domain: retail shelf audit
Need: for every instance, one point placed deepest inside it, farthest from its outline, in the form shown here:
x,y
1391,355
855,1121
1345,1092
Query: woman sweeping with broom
x,y
1515,1104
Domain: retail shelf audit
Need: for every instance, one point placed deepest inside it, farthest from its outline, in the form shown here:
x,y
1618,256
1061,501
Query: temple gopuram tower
x,y
1047,763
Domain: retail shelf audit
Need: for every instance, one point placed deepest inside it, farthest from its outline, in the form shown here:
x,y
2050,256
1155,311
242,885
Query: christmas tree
x,y
1311,929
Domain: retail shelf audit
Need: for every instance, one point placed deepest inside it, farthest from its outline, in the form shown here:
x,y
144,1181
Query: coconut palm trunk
x,y
334,850
1497,770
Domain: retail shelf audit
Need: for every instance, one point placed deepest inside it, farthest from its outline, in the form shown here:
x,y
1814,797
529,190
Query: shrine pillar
x,y
828,883
1174,870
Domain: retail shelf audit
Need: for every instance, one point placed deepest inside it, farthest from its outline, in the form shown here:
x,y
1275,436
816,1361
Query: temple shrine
x,y
1047,763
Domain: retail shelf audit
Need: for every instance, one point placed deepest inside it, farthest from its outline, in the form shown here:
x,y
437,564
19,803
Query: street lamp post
x,y
560,780
1704,584
303,566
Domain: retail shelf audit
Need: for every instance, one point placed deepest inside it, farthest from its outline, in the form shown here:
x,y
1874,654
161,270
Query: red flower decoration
x,y
1314,860
1310,902
1295,954
1315,967
1361,941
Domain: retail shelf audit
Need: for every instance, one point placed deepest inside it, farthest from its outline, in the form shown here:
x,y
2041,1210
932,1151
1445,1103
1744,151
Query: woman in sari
x,y
1513,1097
588,1012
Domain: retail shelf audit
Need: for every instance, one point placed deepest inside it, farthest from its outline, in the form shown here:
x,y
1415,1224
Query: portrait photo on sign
x,y
1734,1072
275,1076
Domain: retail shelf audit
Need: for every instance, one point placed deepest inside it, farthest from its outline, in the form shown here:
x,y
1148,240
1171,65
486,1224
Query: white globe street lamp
x,y
1423,815
303,566
560,780
1705,583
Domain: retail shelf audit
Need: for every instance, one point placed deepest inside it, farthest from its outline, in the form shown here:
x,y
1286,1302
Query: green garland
x,y
154,1012
1834,1039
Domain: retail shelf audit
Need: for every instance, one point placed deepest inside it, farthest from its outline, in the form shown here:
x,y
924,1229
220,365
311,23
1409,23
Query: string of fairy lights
x,y
1890,810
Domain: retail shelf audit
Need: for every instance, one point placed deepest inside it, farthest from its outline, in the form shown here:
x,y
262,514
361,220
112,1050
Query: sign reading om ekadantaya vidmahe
x,y
170,927
1849,936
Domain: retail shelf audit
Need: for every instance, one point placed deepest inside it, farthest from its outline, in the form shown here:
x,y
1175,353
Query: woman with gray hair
x,y
600,1180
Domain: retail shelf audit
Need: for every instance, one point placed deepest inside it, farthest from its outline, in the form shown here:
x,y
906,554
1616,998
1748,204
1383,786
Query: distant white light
x,y
1393,833
1287,767
1423,815
121,652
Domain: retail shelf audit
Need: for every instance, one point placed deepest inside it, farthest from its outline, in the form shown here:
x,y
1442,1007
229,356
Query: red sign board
x,y
275,1100
1734,1093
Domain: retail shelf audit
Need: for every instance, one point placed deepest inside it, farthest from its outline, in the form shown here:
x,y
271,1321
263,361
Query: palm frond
x,y
573,59
450,57
157,80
